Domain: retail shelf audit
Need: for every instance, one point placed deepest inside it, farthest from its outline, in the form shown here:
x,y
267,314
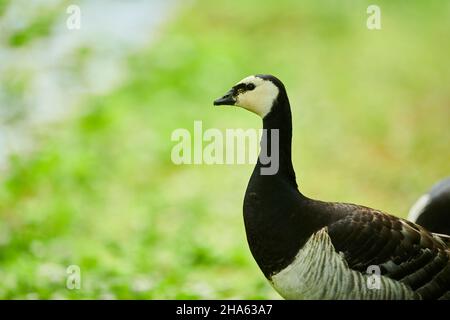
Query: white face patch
x,y
260,99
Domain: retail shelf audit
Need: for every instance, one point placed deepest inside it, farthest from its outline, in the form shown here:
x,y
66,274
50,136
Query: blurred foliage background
x,y
86,117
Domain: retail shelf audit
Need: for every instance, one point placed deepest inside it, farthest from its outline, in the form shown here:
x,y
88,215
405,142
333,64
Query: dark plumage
x,y
281,223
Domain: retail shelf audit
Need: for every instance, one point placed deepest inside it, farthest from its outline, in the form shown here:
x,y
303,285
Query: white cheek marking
x,y
418,207
260,99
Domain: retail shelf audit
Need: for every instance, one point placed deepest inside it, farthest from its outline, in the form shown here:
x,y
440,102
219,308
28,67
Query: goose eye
x,y
250,86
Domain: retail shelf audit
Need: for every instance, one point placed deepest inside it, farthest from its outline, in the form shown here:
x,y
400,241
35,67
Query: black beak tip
x,y
225,100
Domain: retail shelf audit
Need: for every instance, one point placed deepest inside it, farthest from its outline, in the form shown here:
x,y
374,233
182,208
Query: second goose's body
x,y
432,210
310,249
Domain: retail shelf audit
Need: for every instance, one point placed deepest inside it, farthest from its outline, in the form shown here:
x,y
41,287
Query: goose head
x,y
256,93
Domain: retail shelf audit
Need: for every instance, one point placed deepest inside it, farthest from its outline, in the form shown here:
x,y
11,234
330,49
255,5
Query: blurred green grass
x,y
371,126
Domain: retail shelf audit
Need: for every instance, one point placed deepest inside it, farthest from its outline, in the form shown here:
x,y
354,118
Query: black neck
x,y
274,226
278,218
279,119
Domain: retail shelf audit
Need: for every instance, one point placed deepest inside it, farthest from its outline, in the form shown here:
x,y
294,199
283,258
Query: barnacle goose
x,y
310,249
432,210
